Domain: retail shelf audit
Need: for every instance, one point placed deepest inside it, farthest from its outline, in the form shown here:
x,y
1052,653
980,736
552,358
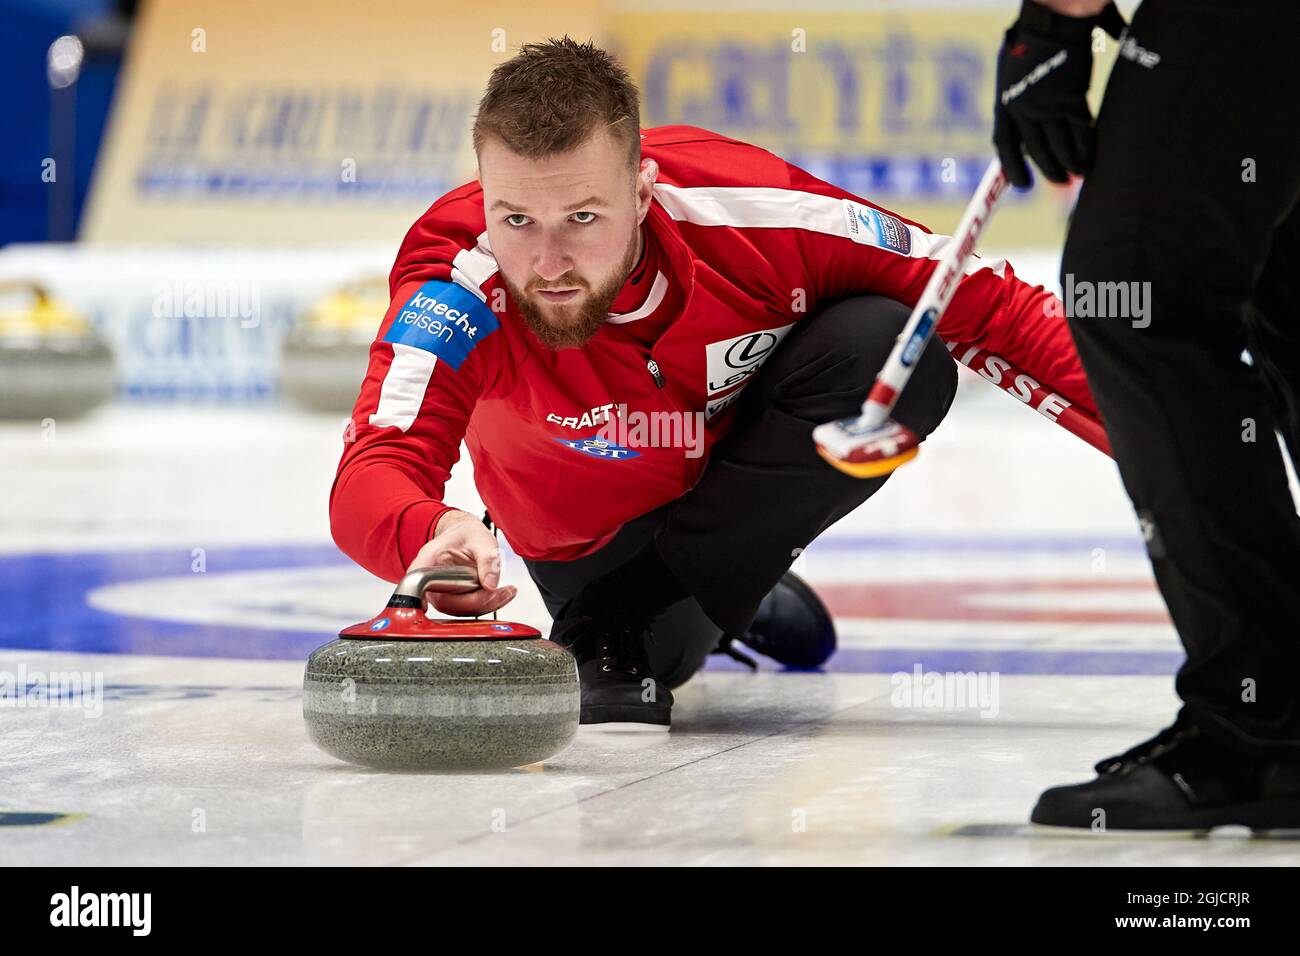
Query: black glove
x,y
1044,69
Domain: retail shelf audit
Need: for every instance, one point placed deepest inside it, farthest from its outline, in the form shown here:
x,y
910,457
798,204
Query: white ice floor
x,y
1007,548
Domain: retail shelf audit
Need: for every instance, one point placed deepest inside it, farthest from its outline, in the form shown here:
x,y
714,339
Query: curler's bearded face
x,y
565,231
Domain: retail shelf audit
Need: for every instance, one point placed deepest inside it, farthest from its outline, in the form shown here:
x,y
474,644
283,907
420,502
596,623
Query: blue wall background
x,y
27,28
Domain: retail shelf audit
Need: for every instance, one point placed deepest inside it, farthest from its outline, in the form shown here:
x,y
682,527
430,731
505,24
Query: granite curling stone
x,y
326,352
53,364
404,691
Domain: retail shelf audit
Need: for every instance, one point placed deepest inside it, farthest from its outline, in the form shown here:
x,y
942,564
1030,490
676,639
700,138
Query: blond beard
x,y
576,325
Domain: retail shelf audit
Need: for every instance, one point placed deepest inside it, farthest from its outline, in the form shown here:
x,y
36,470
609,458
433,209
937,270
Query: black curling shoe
x,y
792,627
1178,780
618,690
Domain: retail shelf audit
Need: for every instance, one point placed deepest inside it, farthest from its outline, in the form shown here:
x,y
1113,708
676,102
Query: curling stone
x,y
326,352
52,362
404,691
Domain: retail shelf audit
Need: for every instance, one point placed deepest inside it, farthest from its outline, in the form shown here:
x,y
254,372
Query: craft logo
x,y
599,448
872,227
443,318
594,416
734,360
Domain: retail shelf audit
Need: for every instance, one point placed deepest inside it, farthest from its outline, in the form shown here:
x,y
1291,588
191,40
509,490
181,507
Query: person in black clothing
x,y
1192,176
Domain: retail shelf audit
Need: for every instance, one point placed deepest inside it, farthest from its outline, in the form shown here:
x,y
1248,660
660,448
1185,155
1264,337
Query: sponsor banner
x,y
892,102
244,119
249,121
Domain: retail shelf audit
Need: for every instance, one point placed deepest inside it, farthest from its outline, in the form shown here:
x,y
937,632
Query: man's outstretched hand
x,y
462,539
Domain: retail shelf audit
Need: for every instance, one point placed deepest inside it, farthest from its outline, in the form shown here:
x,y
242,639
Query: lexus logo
x,y
744,352
731,362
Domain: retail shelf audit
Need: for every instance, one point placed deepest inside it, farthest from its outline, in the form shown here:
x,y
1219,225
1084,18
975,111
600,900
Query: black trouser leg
x,y
684,636
1273,329
1187,193
766,492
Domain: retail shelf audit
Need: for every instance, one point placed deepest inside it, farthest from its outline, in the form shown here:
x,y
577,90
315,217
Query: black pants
x,y
1195,190
765,493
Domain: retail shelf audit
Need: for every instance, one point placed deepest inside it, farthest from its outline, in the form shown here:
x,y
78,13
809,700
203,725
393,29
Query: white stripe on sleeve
x,y
402,393
770,207
473,267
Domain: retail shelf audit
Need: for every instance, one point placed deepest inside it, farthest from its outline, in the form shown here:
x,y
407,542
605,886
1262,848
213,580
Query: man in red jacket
x,y
635,333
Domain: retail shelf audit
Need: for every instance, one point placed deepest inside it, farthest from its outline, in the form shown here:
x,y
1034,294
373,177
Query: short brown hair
x,y
551,96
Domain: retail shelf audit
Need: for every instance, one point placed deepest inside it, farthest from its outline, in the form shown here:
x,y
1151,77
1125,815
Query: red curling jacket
x,y
748,244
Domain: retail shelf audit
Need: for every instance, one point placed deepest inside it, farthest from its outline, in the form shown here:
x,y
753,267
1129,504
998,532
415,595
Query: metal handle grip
x,y
448,578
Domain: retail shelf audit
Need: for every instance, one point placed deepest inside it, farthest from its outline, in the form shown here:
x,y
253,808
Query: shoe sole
x,y
1114,833
1259,816
623,727
625,717
1186,833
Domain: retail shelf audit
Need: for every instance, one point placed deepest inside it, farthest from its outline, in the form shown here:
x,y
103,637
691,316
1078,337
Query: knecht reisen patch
x,y
445,319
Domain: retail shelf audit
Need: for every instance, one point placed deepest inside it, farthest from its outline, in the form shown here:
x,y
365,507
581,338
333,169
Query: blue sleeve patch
x,y
445,319
875,228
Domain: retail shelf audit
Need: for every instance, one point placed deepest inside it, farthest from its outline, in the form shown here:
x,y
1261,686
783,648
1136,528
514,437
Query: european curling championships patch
x,y
445,319
875,228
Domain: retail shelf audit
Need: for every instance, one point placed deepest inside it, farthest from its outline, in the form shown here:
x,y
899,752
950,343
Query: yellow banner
x,y
894,105
252,122
248,121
